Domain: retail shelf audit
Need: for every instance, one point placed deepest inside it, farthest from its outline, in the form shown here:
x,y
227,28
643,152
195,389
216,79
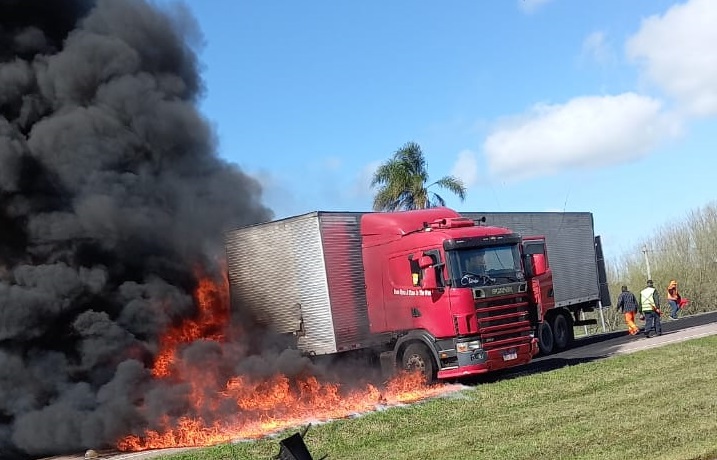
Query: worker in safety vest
x,y
650,307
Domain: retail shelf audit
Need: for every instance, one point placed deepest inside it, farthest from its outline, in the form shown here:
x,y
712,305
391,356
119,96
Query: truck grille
x,y
504,321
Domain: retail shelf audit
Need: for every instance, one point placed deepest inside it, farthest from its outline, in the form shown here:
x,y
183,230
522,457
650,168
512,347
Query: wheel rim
x,y
560,332
415,363
547,340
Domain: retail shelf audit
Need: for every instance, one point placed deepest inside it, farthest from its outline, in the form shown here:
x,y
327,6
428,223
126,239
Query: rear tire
x,y
546,341
418,358
561,332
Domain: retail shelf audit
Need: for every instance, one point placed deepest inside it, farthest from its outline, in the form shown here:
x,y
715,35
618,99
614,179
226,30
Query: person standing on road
x,y
627,303
650,307
674,299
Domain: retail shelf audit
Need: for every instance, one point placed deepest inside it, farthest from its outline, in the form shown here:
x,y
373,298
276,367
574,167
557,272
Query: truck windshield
x,y
484,266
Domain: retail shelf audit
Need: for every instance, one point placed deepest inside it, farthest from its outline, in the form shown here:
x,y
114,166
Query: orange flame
x,y
212,301
258,407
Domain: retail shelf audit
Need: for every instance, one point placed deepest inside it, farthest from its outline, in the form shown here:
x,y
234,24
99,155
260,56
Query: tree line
x,y
685,251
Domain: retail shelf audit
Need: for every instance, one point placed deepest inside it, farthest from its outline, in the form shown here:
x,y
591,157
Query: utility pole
x,y
647,261
602,315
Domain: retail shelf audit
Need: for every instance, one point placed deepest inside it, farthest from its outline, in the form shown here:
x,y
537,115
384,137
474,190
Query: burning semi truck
x,y
429,289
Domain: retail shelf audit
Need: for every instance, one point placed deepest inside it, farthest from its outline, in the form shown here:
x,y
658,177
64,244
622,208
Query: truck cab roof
x,y
439,223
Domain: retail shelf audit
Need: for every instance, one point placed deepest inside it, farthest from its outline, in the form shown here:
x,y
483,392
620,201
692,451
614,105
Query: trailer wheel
x,y
545,338
417,357
561,332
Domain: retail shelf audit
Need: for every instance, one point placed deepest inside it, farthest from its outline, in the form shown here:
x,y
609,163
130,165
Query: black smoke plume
x,y
111,194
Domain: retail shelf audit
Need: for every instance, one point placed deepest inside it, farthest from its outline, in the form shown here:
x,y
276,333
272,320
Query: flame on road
x,y
224,409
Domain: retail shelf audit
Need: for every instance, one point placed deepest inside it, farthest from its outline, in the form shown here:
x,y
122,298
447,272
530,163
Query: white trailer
x,y
304,276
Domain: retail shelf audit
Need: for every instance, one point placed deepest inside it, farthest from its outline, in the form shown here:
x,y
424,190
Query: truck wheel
x,y
561,332
545,338
417,357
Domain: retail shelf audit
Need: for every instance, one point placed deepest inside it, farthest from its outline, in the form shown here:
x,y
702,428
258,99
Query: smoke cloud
x,y
111,194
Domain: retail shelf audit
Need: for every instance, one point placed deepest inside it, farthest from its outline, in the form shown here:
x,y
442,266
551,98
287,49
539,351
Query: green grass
x,y
657,404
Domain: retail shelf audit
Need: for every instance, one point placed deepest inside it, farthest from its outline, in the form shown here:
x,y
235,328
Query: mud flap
x,y
388,364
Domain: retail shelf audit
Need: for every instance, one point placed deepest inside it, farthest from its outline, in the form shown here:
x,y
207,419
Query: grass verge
x,y
658,404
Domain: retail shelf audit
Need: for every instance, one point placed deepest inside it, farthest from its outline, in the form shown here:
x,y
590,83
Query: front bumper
x,y
500,358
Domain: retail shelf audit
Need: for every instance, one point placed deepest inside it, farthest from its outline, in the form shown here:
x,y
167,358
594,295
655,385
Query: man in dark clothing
x,y
627,303
650,307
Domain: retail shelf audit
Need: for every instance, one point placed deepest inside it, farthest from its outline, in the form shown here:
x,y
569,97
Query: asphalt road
x,y
598,346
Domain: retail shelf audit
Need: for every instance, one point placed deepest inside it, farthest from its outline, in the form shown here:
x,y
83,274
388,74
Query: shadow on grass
x,y
546,365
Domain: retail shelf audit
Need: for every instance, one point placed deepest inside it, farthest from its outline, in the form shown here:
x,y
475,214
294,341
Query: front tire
x,y
546,341
417,358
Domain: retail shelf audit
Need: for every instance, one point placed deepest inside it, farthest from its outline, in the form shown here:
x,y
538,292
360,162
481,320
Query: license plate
x,y
508,355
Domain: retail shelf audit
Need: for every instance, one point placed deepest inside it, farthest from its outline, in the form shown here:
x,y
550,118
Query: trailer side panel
x,y
277,274
341,238
302,276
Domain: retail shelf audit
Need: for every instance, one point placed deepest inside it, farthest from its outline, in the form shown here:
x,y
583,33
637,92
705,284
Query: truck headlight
x,y
465,347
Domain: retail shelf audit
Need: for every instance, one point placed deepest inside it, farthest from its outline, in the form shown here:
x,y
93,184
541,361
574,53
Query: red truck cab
x,y
457,298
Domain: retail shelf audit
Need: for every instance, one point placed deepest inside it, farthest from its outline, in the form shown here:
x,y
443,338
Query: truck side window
x,y
401,270
435,254
416,274
534,253
532,248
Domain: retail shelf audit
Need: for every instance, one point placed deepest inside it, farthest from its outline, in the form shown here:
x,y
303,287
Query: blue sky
x,y
607,106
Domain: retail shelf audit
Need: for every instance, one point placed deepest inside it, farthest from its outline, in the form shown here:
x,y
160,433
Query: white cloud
x,y
677,52
585,132
530,6
596,48
466,168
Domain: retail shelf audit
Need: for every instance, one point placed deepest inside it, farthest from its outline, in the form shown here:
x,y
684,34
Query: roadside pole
x,y
647,262
582,316
602,315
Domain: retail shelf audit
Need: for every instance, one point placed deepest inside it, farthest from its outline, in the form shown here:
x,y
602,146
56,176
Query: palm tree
x,y
402,182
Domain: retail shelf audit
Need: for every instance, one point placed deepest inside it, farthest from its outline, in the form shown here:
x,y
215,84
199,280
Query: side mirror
x,y
538,264
429,278
425,262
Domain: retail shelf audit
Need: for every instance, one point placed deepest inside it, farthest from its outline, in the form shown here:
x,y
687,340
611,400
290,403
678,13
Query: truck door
x,y
537,270
401,294
408,302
